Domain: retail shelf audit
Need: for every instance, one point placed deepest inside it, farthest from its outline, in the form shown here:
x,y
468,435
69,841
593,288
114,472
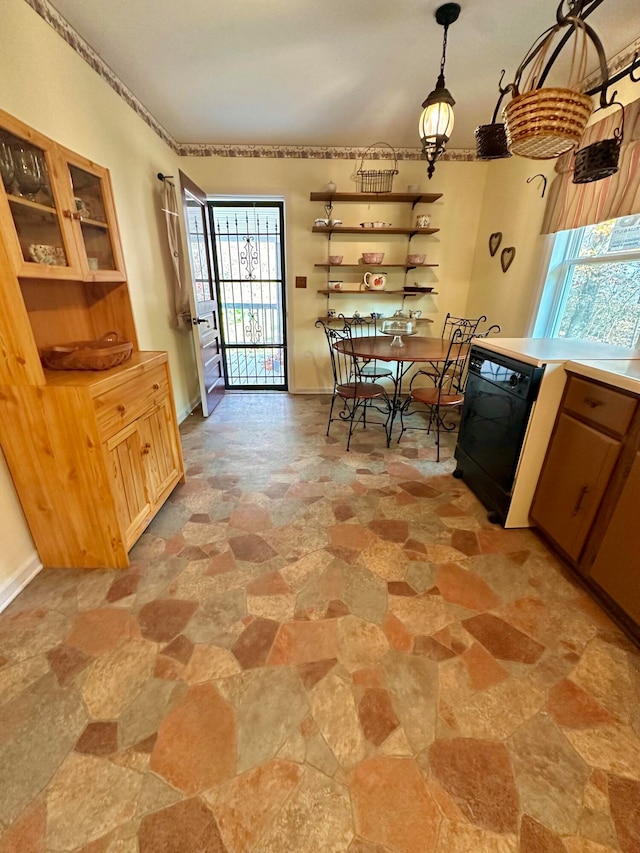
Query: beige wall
x,y
456,214
44,83
515,208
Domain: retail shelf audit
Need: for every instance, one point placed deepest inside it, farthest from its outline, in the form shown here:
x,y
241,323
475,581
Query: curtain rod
x,y
162,177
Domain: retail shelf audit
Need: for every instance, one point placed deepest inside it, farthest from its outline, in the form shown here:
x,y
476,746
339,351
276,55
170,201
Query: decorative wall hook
x,y
494,242
506,257
544,182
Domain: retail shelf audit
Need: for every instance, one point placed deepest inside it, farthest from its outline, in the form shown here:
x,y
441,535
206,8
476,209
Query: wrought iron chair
x,y
367,327
357,394
468,327
442,399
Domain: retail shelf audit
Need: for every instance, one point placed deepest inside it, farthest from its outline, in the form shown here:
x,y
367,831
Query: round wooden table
x,y
415,350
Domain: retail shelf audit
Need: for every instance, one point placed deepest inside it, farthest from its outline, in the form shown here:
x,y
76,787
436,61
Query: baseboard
x,y
15,583
184,413
311,391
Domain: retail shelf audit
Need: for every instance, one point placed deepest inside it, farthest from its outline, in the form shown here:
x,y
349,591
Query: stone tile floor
x,y
317,651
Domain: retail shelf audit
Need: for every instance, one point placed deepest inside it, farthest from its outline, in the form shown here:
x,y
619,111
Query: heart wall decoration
x,y
494,242
506,257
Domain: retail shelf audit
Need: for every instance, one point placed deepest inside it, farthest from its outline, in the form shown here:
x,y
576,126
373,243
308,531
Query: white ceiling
x,y
318,72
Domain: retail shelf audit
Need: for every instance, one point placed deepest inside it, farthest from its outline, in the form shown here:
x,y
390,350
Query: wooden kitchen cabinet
x,y
587,497
93,454
616,567
572,483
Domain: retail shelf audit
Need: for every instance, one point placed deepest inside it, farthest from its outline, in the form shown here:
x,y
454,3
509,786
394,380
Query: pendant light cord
x,y
440,82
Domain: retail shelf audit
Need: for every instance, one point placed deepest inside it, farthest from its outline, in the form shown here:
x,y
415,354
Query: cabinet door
x,y
133,505
160,455
574,478
34,215
94,218
617,564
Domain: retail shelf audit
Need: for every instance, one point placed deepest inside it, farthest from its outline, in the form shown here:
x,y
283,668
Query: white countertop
x,y
540,351
621,373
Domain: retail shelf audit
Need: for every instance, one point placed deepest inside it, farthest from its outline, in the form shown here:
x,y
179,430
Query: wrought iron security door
x,y
249,267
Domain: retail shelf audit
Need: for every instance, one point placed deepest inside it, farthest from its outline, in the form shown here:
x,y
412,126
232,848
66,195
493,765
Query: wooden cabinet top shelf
x,y
33,205
356,229
411,198
94,223
100,381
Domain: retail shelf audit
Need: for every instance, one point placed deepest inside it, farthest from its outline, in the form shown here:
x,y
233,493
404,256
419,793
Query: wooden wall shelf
x,y
413,198
356,229
368,293
383,267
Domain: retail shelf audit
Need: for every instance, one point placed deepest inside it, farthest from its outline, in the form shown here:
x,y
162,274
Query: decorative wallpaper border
x,y
306,152
615,64
301,152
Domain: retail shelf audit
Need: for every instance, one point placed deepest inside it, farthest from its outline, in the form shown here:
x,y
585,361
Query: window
x,y
593,284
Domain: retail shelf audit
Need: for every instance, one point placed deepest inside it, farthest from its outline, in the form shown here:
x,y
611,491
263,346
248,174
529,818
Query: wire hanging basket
x,y
600,159
376,180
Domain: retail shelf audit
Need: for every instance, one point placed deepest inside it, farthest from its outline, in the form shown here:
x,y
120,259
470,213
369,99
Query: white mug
x,y
335,285
422,220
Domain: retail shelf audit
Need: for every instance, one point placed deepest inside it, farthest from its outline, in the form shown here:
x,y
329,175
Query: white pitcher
x,y
375,280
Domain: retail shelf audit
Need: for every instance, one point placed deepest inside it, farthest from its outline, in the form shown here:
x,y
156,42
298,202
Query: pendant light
x,y
436,121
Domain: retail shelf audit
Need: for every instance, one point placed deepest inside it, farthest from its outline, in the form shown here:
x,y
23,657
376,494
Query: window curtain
x,y
182,313
572,205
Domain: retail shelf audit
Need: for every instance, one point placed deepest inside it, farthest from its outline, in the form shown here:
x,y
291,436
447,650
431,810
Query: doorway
x,y
248,255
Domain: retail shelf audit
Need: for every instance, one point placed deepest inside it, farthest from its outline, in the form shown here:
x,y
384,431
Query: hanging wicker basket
x,y
376,180
544,122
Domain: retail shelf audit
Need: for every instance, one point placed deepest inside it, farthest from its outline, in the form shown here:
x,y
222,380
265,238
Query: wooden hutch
x,y
93,454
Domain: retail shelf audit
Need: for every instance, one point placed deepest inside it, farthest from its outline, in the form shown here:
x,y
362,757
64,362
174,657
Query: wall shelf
x,y
413,198
368,319
369,292
357,229
405,267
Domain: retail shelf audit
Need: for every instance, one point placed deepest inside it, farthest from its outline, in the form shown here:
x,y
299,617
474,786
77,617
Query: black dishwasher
x,y
498,399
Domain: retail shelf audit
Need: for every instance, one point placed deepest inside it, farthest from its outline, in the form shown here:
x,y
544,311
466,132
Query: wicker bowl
x,y
103,354
544,123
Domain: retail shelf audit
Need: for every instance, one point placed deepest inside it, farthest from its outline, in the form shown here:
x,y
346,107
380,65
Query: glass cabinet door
x,y
44,244
94,217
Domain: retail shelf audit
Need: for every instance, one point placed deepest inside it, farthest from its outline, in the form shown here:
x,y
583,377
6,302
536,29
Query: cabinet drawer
x,y
125,404
600,405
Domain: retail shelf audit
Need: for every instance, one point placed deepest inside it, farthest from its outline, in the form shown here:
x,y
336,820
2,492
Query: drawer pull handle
x,y
146,449
583,493
156,386
122,409
593,403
